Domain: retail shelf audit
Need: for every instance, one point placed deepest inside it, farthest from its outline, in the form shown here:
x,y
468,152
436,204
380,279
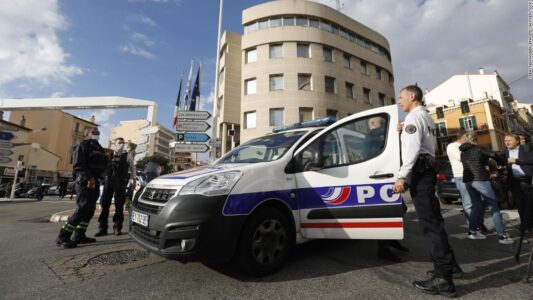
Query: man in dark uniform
x,y
418,172
89,164
121,168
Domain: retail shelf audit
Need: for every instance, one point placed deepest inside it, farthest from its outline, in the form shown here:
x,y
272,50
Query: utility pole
x,y
215,102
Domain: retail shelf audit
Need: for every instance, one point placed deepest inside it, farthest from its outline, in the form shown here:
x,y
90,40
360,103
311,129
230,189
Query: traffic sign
x,y
195,148
6,135
194,126
192,137
6,145
194,115
4,160
5,152
150,130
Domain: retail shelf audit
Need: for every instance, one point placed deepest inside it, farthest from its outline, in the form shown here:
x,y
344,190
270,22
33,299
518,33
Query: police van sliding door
x,y
345,179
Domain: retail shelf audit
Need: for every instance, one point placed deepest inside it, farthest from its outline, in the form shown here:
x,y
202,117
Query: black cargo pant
x,y
85,205
522,191
431,222
116,187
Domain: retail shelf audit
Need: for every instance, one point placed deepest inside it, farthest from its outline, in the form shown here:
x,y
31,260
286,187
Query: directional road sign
x,y
5,152
6,145
150,130
192,137
6,135
194,126
5,160
194,115
195,148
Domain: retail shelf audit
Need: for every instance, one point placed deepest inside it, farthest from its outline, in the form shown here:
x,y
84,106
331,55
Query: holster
x,y
424,163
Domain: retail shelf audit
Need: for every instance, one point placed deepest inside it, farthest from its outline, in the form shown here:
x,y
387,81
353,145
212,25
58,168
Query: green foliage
x,y
162,161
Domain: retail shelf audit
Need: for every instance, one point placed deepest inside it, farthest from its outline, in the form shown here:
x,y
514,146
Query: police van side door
x,y
345,176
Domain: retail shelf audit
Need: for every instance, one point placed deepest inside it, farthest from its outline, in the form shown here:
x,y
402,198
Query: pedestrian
x,y
89,164
525,142
120,169
454,155
63,188
475,163
418,174
130,148
519,174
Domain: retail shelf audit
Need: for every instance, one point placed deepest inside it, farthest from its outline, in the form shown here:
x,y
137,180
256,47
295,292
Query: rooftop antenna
x,y
338,5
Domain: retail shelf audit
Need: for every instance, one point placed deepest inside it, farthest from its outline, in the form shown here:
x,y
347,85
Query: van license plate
x,y
139,218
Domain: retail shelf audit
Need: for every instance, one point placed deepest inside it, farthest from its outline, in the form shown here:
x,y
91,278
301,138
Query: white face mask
x,y
96,137
119,147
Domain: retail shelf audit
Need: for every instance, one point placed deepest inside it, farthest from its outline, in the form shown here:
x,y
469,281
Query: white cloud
x,y
137,51
177,2
139,37
29,43
437,39
206,102
147,21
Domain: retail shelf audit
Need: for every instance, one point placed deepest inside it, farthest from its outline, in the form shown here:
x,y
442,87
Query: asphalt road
x,y
32,267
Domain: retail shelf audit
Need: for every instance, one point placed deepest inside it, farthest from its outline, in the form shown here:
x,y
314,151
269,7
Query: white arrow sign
x,y
150,130
193,126
194,115
195,148
6,145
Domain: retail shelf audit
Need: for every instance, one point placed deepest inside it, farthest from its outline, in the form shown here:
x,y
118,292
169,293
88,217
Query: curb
x,y
18,200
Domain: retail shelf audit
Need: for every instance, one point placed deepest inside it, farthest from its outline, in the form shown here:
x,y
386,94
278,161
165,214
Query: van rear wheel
x,y
265,242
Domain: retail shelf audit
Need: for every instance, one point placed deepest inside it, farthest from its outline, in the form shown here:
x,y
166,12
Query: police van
x,y
302,182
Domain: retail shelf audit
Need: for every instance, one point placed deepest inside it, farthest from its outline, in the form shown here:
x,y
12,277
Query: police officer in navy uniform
x,y
418,173
89,164
121,168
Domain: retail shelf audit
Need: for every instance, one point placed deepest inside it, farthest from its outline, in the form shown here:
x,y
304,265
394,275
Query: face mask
x,y
96,137
120,147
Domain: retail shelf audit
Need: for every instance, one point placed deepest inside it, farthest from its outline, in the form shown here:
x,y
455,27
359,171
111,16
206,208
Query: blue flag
x,y
195,97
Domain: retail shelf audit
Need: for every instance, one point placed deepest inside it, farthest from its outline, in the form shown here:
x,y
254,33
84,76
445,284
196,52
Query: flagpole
x,y
215,102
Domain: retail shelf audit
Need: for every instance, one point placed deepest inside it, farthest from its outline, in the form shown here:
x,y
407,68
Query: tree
x,y
162,161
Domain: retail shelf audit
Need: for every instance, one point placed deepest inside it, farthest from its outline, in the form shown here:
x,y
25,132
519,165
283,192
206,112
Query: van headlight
x,y
213,185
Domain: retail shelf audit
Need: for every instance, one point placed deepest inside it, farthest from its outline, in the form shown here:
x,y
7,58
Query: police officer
x,y
120,164
418,172
89,164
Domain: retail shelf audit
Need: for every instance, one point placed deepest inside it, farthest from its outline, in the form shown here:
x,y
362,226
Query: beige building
x,y
148,144
63,131
39,164
300,60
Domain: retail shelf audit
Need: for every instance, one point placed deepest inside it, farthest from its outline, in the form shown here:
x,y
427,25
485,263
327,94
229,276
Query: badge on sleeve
x,y
410,128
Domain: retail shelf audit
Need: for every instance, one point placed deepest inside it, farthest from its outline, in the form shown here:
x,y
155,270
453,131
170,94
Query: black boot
x,y
102,231
457,272
396,245
436,286
117,230
63,239
80,237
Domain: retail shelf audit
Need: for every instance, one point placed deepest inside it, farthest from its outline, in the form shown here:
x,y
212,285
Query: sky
x,y
139,48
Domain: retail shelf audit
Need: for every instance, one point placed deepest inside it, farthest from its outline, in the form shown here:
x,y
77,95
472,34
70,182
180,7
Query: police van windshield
x,y
263,149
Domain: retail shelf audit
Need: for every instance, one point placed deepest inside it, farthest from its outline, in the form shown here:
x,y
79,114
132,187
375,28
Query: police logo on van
x,y
336,195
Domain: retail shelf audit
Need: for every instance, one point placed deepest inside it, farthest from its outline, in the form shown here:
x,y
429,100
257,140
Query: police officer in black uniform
x,y
418,173
120,164
89,164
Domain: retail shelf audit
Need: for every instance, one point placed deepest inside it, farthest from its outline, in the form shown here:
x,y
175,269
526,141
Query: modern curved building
x,y
298,61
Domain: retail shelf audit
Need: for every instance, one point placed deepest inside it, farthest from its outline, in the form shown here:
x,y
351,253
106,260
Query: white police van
x,y
265,196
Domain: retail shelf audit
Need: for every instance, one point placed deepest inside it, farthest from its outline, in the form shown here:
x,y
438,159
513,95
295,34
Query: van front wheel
x,y
265,242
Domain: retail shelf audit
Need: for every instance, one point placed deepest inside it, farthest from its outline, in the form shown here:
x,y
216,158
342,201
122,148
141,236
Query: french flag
x,y
177,108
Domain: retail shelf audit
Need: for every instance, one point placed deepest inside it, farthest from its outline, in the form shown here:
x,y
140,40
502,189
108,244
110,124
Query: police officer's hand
x,y
399,127
511,160
91,183
399,186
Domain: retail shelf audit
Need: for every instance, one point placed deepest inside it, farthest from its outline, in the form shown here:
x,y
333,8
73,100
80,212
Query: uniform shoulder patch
x,y
410,128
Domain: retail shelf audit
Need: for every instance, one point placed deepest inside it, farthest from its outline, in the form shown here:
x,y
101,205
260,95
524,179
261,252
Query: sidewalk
x,y
63,215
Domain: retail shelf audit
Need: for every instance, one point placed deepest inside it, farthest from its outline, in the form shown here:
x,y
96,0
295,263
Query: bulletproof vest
x,y
96,159
119,165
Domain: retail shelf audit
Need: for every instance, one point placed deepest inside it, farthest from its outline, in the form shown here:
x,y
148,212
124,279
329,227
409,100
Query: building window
x,y
381,99
349,90
251,28
275,22
464,107
276,82
392,101
366,95
221,76
378,73
249,119
441,129
276,116
250,86
443,147
331,113
251,55
347,62
364,67
288,21
306,114
328,54
77,128
325,26
263,24
276,51
314,23
468,123
330,84
302,22
303,50
304,82
440,112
